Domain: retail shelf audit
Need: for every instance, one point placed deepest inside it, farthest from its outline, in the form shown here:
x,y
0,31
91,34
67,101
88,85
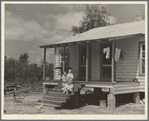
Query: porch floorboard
x,y
93,84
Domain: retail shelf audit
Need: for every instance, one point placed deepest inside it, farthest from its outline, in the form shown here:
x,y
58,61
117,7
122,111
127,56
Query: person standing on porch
x,y
70,75
69,86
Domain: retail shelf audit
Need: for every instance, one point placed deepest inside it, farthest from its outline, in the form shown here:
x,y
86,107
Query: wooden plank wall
x,y
74,56
95,61
122,88
142,83
128,66
73,61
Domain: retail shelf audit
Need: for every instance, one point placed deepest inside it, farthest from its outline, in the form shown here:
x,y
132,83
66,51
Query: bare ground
x,y
27,106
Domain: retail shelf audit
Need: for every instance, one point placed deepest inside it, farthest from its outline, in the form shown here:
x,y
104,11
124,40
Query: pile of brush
x,y
11,89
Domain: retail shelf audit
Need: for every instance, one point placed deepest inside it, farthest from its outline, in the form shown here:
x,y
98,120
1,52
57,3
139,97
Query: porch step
x,y
56,90
55,94
52,102
46,104
55,98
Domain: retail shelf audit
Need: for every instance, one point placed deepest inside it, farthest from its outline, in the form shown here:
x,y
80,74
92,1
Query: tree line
x,y
20,71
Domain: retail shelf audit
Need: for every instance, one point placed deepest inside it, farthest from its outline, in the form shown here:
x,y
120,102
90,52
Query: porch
x,y
104,92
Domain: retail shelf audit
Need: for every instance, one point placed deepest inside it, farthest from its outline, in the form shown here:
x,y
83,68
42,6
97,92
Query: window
x,y
82,63
142,58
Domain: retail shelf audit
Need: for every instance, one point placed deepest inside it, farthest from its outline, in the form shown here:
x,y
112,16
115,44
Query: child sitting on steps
x,y
64,83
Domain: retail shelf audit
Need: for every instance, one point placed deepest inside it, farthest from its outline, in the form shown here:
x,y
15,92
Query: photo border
x,y
70,117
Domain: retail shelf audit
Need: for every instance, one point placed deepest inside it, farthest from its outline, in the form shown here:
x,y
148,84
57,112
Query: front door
x,y
82,63
106,61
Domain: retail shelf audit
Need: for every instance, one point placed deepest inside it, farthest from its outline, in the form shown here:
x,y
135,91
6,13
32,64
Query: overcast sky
x,y
28,26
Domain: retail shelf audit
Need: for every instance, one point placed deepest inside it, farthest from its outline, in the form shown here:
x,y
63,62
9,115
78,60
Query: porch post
x,y
64,60
136,97
44,64
113,62
54,63
87,65
111,100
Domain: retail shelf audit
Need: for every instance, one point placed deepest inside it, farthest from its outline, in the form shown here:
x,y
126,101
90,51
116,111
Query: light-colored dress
x,y
64,84
64,79
70,75
69,85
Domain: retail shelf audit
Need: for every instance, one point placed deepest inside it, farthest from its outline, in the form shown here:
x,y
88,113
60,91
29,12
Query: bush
x,y
20,72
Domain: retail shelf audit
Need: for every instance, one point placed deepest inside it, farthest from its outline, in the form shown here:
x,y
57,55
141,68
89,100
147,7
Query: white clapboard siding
x,y
120,86
126,87
73,57
127,66
142,84
124,91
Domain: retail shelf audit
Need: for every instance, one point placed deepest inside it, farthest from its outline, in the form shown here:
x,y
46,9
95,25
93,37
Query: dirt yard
x,y
27,106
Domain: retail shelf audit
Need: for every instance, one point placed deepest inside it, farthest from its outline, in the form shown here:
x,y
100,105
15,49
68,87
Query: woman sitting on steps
x,y
68,86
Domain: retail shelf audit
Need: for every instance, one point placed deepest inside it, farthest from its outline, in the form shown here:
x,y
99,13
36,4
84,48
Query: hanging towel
x,y
117,54
107,51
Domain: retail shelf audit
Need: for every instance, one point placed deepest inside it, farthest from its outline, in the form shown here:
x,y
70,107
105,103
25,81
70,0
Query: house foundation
x,y
111,101
136,97
44,89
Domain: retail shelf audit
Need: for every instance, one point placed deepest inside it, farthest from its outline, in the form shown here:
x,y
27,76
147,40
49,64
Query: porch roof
x,y
107,32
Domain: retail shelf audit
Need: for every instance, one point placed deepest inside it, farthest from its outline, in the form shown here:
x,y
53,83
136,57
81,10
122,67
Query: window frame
x,y
141,58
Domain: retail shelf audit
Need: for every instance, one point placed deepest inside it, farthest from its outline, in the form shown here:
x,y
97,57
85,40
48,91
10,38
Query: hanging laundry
x,y
117,54
107,51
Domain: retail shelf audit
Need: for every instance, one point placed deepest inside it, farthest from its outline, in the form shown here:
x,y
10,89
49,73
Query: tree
x,y
10,72
19,71
49,69
24,57
22,66
94,17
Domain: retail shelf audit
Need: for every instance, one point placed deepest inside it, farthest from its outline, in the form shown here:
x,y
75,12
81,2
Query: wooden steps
x,y
55,97
59,94
53,102
46,104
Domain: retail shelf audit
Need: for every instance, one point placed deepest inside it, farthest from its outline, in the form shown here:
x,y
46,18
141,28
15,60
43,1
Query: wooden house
x,y
109,59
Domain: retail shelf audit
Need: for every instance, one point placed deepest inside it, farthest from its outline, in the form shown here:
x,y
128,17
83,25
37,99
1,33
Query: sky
x,y
27,26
